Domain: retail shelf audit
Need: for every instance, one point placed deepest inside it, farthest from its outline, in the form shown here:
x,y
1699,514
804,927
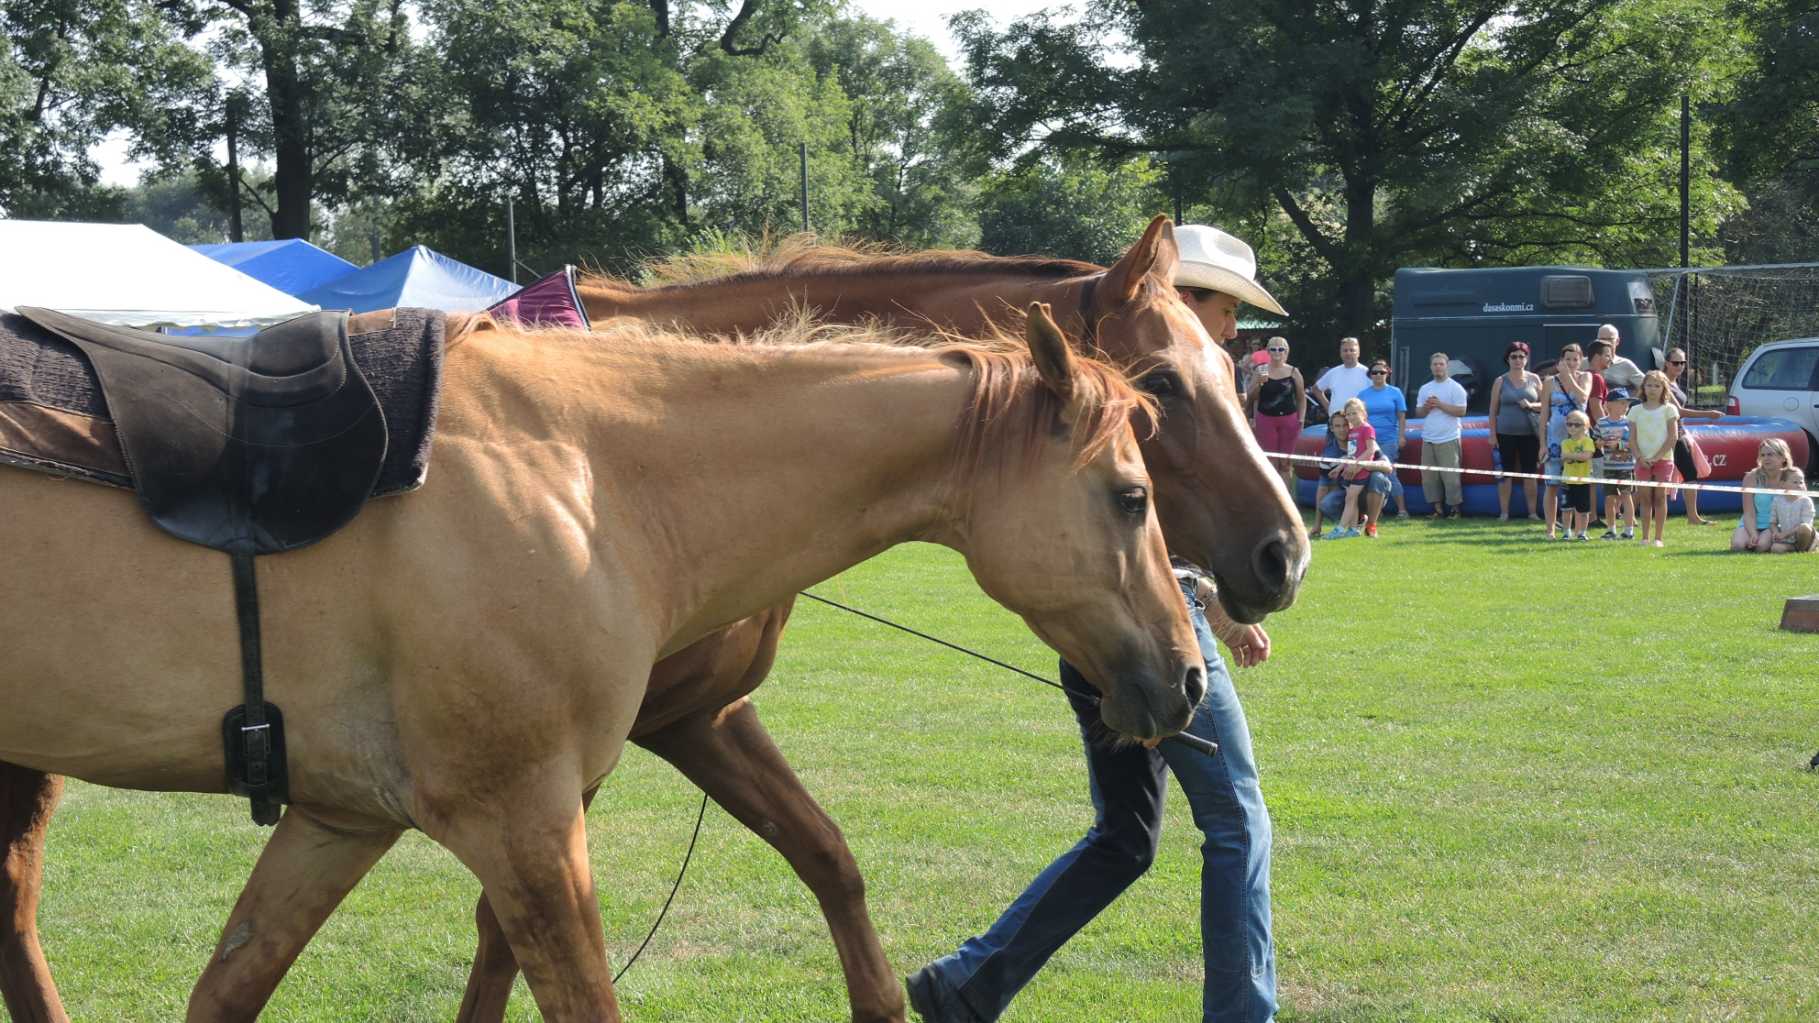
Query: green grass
x,y
1510,781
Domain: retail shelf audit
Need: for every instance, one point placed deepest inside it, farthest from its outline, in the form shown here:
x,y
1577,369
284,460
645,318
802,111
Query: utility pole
x,y
511,237
802,156
1686,176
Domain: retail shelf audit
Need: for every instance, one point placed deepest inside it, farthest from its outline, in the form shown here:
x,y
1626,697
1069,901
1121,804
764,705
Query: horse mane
x,y
802,255
1010,413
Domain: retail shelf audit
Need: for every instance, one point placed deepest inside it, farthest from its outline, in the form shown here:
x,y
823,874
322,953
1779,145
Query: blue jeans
x,y
977,981
1333,504
1391,451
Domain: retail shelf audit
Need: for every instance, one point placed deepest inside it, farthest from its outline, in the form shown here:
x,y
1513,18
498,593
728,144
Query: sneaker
x,y
1457,511
1370,530
1609,534
1658,543
1629,534
1337,533
1583,535
1551,536
926,998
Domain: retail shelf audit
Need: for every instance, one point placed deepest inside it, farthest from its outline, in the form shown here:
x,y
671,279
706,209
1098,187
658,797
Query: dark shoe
x,y
1455,513
925,996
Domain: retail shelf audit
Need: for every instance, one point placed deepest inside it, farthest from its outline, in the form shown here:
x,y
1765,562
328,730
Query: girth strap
x,y
253,733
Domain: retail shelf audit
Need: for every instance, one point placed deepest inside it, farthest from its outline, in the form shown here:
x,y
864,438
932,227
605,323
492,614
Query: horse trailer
x,y
1471,315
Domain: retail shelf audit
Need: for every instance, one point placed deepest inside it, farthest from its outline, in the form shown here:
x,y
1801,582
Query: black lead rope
x,y
672,892
1193,742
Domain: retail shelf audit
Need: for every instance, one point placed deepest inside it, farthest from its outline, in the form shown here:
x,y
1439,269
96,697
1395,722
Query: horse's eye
x,y
1133,500
1162,384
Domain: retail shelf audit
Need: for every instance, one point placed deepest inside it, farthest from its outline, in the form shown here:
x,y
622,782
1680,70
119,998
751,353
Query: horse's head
x,y
1221,504
1058,524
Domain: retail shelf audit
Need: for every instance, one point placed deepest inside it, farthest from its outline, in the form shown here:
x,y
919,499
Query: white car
x,y
1781,379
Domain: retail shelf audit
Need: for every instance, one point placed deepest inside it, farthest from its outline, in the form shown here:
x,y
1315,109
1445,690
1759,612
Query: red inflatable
x,y
1729,443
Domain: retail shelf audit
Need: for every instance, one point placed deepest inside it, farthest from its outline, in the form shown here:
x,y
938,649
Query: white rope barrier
x,y
1504,474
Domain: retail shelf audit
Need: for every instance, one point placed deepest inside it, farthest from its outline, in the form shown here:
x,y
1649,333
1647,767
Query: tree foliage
x,y
1386,132
73,71
1109,205
1343,138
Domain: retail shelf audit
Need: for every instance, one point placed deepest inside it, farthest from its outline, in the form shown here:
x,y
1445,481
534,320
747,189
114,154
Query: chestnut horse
x,y
593,508
1219,503
1218,506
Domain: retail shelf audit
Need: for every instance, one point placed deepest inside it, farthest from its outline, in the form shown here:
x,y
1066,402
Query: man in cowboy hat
x,y
976,982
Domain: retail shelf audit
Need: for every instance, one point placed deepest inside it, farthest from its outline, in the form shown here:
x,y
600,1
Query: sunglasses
x,y
1380,372
1279,351
1676,362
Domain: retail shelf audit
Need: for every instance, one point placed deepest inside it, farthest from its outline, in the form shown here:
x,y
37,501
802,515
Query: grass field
x,y
1510,781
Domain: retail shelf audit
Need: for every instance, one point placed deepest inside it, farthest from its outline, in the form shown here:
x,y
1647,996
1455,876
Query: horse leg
x,y
489,982
732,758
532,862
27,799
307,868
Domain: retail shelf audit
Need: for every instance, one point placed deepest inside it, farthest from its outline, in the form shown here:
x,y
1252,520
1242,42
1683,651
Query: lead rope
x,y
1193,742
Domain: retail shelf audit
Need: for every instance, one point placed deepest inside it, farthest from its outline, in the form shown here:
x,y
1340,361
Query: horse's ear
x,y
1054,359
1154,255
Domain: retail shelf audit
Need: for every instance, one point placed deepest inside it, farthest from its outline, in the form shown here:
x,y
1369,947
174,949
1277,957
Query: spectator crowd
x,y
1594,416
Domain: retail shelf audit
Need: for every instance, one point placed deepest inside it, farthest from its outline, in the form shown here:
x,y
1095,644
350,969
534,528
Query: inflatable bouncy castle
x,y
1729,443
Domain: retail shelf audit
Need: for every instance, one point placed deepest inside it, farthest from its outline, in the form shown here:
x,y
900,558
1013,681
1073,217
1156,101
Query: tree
x,y
187,206
323,83
1386,132
72,72
1770,132
1068,205
907,132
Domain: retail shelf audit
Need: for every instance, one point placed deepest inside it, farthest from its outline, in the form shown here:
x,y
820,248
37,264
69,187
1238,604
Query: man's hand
x,y
1249,644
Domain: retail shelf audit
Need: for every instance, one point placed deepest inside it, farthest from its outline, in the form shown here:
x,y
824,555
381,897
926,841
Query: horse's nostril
x,y
1271,562
1193,684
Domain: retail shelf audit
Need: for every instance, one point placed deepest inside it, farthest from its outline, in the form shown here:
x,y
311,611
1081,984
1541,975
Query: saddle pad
x,y
53,417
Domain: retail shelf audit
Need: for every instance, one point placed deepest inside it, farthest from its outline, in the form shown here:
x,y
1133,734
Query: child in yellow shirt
x,y
1576,453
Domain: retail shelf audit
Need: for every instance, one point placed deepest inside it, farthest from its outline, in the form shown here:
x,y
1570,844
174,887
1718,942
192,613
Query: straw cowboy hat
x,y
1216,261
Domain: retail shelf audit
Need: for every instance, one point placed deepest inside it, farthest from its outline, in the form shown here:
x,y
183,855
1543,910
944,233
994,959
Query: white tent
x,y
129,274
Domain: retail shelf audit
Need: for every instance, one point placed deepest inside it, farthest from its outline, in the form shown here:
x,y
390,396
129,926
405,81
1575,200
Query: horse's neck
x,y
962,302
766,470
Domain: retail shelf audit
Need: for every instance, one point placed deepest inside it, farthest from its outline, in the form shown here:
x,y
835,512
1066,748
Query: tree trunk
x,y
1357,274
293,176
677,176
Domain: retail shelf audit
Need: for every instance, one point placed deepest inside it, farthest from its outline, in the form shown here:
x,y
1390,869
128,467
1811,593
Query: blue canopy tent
x,y
415,277
291,265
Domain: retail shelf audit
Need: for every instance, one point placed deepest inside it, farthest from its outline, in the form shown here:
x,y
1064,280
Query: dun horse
x,y
592,508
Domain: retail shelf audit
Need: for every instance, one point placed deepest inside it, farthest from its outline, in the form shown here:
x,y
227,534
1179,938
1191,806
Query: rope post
x,y
1801,614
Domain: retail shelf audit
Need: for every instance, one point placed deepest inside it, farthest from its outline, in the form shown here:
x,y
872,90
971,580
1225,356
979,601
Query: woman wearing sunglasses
x,y
1683,451
1388,409
1277,397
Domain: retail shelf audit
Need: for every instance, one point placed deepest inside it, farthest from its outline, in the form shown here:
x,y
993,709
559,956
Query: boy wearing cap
x,y
1619,463
976,982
